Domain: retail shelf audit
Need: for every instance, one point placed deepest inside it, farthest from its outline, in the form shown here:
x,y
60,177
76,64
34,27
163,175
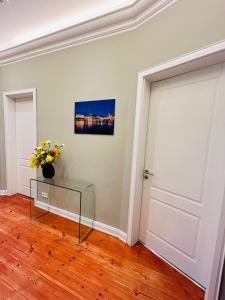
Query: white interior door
x,y
25,143
186,153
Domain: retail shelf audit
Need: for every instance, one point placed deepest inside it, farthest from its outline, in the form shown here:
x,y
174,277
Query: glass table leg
x,y
79,225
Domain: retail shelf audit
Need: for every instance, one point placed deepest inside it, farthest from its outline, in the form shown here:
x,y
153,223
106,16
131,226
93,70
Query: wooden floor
x,y
41,260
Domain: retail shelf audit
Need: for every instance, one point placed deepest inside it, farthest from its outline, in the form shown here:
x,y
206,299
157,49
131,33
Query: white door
x,y
25,143
186,153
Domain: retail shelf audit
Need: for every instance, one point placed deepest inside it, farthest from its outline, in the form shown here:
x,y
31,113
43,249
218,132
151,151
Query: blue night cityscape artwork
x,y
95,117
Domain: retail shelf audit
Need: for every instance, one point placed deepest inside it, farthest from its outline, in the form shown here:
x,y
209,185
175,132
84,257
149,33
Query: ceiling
x,y
34,27
25,20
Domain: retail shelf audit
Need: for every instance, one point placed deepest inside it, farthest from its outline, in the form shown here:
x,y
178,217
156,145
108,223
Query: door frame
x,y
9,101
201,58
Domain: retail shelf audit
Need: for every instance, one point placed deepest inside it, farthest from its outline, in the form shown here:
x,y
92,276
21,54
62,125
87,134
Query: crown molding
x,y
107,24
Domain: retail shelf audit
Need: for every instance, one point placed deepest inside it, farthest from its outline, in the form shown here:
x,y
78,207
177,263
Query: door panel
x,y
181,144
182,147
25,143
173,220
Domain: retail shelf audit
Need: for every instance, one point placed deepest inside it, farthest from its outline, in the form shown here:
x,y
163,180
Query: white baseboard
x,y
85,221
122,236
3,192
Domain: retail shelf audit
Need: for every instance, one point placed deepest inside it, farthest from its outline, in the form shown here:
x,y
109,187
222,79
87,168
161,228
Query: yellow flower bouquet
x,y
45,155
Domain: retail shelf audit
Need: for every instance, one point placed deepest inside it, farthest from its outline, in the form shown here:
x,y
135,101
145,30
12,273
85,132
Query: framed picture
x,y
94,117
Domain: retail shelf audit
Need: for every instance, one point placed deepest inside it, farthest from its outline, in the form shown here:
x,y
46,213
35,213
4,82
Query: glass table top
x,y
69,184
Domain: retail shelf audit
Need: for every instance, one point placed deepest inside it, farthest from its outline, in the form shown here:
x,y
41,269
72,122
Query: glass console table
x,y
73,199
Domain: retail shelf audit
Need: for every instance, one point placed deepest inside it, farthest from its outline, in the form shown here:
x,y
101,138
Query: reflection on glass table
x,y
73,199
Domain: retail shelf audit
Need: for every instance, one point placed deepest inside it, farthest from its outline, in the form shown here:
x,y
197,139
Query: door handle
x,y
147,174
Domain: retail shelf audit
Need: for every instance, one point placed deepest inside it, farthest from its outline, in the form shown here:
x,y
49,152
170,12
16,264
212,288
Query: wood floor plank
x,y
42,260
6,291
45,289
17,296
